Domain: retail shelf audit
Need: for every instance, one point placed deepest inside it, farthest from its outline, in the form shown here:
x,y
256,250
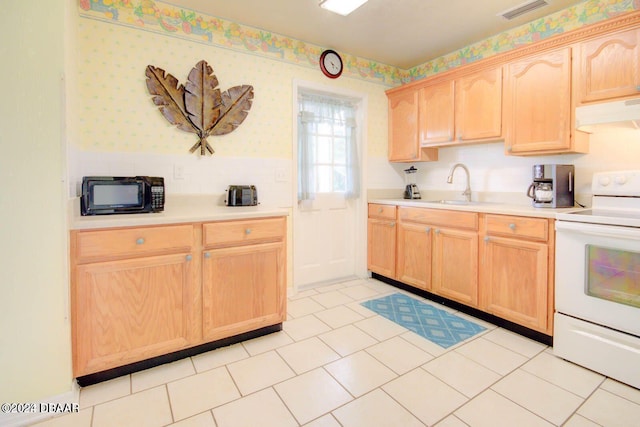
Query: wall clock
x,y
331,64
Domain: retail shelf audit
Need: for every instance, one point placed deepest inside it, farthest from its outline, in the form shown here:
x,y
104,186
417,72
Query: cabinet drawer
x,y
517,226
441,217
382,211
227,233
133,241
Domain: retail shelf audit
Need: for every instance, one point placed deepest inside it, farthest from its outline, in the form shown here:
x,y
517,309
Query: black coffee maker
x,y
552,186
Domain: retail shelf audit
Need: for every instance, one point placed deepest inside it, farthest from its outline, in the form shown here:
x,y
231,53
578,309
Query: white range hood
x,y
617,113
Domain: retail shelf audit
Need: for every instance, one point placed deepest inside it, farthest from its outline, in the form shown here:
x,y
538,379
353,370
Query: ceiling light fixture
x,y
522,9
342,7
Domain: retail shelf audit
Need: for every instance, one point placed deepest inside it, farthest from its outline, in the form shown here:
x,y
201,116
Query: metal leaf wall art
x,y
199,107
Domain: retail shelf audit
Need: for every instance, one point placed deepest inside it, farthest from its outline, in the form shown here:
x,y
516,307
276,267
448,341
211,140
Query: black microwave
x,y
106,195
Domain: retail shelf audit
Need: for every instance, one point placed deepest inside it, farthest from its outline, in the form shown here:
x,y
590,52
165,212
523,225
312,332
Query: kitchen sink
x,y
456,202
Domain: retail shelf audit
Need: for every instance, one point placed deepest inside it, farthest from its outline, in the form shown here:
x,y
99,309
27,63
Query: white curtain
x,y
314,111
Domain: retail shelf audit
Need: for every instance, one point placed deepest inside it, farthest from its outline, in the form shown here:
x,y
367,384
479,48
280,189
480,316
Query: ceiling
x,y
402,33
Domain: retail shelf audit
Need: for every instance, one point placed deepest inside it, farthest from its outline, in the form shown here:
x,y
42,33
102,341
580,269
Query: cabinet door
x,y
609,67
514,281
538,103
479,106
455,265
414,255
437,113
131,310
243,288
381,247
403,126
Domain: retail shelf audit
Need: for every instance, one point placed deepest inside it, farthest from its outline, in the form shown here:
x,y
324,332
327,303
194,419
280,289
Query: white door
x,y
327,236
324,245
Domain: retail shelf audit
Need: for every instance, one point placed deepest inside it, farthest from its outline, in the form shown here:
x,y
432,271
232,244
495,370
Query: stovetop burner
x,y
624,218
608,213
616,200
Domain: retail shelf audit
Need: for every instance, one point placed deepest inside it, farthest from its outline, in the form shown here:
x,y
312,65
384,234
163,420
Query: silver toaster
x,y
241,195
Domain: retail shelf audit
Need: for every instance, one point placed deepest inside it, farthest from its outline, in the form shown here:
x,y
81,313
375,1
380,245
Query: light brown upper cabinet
x,y
403,128
436,113
479,106
608,68
525,97
468,109
538,113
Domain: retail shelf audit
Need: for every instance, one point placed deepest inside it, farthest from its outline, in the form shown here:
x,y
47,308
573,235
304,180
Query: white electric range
x,y
597,286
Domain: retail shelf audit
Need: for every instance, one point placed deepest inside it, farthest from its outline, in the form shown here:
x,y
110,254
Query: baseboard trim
x,y
498,321
314,285
110,374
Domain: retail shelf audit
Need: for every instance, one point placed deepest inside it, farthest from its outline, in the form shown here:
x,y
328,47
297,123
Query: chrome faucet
x,y
467,191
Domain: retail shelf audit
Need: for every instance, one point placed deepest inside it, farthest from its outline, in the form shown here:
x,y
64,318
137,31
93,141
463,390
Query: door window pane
x,y
325,150
340,151
327,155
325,179
613,275
339,179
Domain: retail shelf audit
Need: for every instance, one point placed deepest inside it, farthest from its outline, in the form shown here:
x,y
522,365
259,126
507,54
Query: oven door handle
x,y
629,233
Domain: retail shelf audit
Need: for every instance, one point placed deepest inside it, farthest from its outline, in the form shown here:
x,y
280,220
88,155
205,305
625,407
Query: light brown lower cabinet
x,y
455,264
414,254
438,252
130,310
516,280
381,239
500,264
243,278
143,292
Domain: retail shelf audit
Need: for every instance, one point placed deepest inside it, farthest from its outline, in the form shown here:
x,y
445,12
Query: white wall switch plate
x,y
178,172
281,175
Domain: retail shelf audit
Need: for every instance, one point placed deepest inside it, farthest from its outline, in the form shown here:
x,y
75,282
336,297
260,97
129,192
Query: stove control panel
x,y
617,183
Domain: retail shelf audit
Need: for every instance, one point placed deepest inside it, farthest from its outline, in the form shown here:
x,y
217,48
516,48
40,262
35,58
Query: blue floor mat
x,y
434,324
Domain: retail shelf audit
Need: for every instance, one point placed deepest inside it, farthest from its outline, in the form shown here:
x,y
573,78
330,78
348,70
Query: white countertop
x,y
482,207
178,209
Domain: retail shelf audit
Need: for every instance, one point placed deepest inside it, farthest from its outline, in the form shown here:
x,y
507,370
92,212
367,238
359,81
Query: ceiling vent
x,y
522,9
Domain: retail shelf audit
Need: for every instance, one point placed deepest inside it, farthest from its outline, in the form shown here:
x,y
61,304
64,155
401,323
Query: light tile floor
x,y
337,363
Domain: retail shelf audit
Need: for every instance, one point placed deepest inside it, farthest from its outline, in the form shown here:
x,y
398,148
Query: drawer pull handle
x,y
140,241
189,257
486,239
247,231
427,229
379,210
437,231
207,255
512,226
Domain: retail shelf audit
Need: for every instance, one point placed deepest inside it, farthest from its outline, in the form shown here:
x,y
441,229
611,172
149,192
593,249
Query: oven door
x,y
598,274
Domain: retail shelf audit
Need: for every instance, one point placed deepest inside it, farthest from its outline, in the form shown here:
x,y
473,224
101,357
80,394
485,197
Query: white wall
x,y
613,148
35,348
118,130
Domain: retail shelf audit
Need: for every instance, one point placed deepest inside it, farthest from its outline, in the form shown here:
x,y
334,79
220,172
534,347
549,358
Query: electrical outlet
x,y
281,175
178,172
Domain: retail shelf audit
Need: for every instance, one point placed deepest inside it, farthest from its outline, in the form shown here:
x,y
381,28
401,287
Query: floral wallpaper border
x,y
165,18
